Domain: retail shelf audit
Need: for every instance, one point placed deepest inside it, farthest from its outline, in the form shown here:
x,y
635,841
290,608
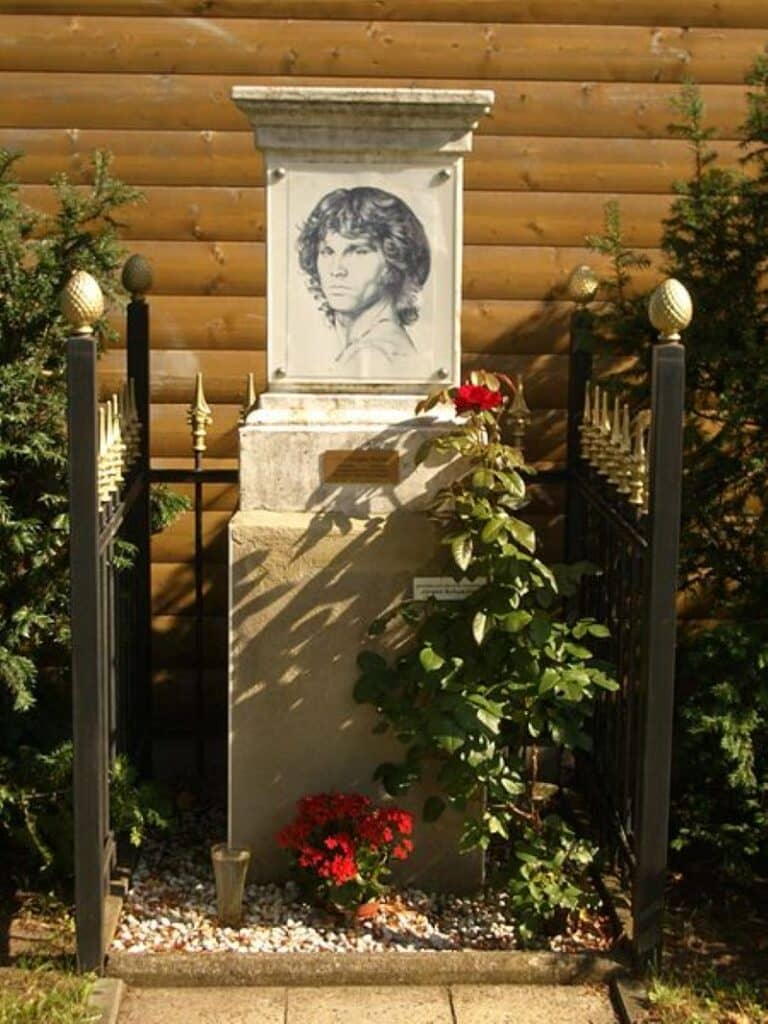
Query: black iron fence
x,y
111,610
623,515
110,596
623,501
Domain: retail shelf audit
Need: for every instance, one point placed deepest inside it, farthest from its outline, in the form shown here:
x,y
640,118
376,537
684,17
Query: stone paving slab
x,y
370,1004
203,1006
531,1004
421,1004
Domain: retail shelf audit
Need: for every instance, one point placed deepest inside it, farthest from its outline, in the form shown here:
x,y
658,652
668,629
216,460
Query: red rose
x,y
475,398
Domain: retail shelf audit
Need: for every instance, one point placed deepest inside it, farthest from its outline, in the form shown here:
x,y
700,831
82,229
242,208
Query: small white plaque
x,y
445,588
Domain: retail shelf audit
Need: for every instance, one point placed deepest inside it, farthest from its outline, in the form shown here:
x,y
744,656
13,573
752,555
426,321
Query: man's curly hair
x,y
383,218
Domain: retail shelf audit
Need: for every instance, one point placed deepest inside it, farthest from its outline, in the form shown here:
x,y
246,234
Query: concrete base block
x,y
304,589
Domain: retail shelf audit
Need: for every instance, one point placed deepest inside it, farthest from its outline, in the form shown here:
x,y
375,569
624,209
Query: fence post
x,y
81,304
582,285
137,279
670,311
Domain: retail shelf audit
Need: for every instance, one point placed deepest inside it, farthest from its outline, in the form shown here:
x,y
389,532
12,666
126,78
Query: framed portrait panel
x,y
363,274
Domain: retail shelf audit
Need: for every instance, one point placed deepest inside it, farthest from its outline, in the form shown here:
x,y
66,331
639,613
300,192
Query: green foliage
x,y
38,254
136,807
500,671
165,507
721,764
550,877
715,241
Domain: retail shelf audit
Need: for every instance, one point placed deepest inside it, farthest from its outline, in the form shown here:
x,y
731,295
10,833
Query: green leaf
x,y
540,628
515,621
430,660
433,808
492,529
597,629
482,479
479,627
524,534
462,548
369,661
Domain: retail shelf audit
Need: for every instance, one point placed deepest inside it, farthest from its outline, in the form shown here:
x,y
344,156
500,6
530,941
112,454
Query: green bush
x,y
38,254
715,241
486,678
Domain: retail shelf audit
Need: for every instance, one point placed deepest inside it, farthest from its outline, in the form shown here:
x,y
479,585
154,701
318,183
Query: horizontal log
x,y
173,589
173,641
174,708
177,542
172,374
489,272
736,13
229,160
206,46
171,439
188,102
216,497
234,322
225,497
490,218
204,321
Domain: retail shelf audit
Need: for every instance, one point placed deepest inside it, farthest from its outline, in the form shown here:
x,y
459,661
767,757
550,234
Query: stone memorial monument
x,y
364,245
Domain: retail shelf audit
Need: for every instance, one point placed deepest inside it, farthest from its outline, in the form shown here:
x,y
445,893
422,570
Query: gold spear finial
x,y
519,415
625,467
102,460
250,397
585,427
639,462
199,416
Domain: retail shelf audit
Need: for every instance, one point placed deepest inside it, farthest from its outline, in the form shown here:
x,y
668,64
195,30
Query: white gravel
x,y
171,907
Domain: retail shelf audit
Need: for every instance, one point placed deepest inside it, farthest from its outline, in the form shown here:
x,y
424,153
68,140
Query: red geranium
x,y
342,844
475,398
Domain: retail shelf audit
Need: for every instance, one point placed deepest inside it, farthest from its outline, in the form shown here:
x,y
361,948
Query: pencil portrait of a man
x,y
365,258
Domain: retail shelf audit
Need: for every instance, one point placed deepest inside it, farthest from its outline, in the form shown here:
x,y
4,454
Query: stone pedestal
x,y
306,582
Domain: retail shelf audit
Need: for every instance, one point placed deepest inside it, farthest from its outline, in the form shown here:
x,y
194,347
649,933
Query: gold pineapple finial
x,y
670,309
199,416
81,302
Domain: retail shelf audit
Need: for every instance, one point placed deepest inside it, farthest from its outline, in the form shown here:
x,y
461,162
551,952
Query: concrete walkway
x,y
423,1004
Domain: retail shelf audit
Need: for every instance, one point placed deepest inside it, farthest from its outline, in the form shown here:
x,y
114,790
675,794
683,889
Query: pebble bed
x,y
171,907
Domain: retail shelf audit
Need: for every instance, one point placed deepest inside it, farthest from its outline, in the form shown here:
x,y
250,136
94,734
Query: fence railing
x,y
111,610
623,508
110,595
623,516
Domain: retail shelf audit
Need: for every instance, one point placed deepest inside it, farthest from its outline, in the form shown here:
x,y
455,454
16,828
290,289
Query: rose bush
x,y
342,846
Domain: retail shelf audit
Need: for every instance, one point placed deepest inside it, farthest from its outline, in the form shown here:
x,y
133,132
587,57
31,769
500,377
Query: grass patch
x,y
709,998
44,995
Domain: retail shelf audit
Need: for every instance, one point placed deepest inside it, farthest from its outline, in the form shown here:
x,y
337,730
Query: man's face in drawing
x,y
352,272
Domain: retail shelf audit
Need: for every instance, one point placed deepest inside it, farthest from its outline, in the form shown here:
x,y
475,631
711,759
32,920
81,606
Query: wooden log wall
x,y
582,114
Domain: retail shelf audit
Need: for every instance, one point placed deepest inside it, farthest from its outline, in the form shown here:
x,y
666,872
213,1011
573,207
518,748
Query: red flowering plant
x,y
482,682
342,846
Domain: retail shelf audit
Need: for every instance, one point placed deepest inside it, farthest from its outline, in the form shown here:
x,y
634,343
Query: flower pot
x,y
230,866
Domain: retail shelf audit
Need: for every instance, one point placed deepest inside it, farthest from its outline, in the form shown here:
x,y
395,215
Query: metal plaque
x,y
361,466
